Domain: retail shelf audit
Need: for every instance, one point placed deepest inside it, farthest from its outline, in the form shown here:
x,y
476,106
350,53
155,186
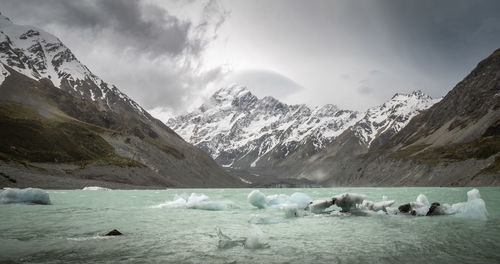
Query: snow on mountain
x,y
38,55
3,73
381,122
238,129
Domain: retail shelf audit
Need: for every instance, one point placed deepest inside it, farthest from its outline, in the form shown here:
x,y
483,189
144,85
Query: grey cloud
x,y
365,90
325,46
131,24
345,76
264,83
147,51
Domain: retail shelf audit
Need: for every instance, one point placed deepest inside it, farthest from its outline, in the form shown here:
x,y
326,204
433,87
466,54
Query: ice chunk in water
x,y
226,242
474,208
319,206
195,201
302,200
176,203
261,201
347,201
421,206
210,205
95,188
291,210
276,200
422,199
257,199
28,195
378,206
256,239
473,195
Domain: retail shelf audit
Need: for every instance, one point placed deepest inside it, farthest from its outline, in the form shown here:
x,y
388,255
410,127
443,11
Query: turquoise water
x,y
70,230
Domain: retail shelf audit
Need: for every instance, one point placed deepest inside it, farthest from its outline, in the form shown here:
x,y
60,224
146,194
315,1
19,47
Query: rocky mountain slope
x,y
260,139
454,142
62,126
381,122
240,130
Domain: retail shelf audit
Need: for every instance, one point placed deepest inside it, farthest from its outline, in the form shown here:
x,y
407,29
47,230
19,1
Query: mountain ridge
x,y
236,127
61,98
286,133
455,142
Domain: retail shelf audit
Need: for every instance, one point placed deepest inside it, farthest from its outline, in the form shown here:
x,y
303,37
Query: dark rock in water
x,y
433,209
114,232
405,208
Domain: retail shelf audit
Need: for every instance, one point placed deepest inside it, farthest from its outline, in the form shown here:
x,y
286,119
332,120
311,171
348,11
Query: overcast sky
x,y
170,55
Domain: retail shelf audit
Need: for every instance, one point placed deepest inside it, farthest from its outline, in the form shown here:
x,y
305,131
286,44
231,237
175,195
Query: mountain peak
x,y
41,55
392,116
416,93
230,92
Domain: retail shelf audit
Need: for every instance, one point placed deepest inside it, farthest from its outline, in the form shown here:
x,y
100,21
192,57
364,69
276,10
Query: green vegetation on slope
x,y
25,134
481,148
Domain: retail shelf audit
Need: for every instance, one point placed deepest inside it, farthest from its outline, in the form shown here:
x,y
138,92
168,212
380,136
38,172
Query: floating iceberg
x,y
28,195
348,201
226,242
255,240
196,201
257,199
302,200
319,206
261,201
474,208
95,188
292,210
376,206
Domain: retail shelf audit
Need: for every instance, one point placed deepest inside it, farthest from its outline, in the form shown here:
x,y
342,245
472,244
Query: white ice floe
x,y
95,188
257,199
255,240
319,206
292,210
196,201
348,201
28,195
376,206
261,201
474,208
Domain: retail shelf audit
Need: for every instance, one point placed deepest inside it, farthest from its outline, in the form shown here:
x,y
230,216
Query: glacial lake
x,y
158,228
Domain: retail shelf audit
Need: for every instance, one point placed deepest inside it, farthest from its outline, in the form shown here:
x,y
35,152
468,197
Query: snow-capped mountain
x,y
239,130
40,55
54,109
381,122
